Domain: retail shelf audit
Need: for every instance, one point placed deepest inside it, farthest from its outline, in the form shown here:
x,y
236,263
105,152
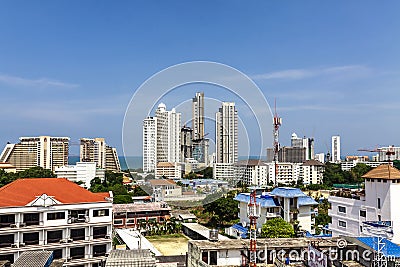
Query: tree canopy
x,y
277,228
223,210
335,175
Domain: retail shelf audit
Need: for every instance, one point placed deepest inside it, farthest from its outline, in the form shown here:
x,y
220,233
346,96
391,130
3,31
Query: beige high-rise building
x,y
198,116
96,150
43,151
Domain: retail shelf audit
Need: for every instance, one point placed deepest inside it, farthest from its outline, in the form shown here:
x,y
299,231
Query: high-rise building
x,y
96,150
44,151
226,132
186,143
168,134
336,148
307,143
198,116
149,144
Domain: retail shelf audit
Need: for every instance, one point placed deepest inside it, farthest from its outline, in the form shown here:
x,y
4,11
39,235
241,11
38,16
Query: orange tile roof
x,y
383,171
23,191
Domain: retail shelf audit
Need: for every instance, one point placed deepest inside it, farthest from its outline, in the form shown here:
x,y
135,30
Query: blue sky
x,y
69,68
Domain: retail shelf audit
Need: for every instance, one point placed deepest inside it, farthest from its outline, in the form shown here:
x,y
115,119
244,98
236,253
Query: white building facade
x,y
312,172
288,173
226,132
149,144
291,204
336,149
80,172
70,221
375,212
168,134
252,172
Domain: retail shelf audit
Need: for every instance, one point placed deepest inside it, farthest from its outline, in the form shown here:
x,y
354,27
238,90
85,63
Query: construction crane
x,y
253,211
277,124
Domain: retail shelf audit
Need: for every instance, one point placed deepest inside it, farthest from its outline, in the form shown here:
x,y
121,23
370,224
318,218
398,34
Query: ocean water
x,y
134,162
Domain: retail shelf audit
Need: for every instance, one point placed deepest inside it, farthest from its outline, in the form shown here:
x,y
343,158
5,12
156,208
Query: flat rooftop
x,y
269,242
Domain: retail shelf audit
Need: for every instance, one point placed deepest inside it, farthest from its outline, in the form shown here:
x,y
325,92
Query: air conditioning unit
x,y
14,245
86,218
70,240
22,224
13,225
107,237
63,241
22,244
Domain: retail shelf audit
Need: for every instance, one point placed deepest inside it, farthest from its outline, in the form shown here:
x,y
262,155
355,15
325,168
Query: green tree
x,y
223,210
358,171
207,173
190,176
277,228
36,172
138,191
6,178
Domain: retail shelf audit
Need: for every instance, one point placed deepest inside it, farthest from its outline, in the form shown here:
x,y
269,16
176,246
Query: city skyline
x,y
59,76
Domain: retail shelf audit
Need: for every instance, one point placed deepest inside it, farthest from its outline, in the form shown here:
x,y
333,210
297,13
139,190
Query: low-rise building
x,y
224,171
288,173
7,167
373,212
312,172
252,172
80,172
291,204
164,188
348,165
57,215
132,215
168,170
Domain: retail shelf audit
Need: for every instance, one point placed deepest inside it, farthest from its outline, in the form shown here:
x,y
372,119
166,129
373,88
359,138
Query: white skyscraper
x,y
336,148
149,144
226,132
168,134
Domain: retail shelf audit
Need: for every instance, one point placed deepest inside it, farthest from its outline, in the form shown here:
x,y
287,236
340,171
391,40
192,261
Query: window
x,y
379,203
118,222
130,221
6,240
31,218
99,232
379,218
100,213
31,238
56,216
6,220
204,257
361,228
363,213
77,253
213,258
342,209
54,236
99,250
342,224
78,234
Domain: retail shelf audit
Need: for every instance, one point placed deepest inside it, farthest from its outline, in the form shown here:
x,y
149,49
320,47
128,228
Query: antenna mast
x,y
253,213
277,124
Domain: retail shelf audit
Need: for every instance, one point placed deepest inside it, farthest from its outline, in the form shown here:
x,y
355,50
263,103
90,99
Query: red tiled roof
x,y
23,191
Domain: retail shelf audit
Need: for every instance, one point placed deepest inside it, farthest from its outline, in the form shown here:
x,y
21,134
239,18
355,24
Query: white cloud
x,y
297,74
42,82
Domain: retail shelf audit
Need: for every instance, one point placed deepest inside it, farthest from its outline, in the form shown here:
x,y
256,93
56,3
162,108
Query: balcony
x,y
272,214
78,216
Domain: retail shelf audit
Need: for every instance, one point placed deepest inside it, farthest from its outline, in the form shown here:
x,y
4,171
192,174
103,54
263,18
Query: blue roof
x,y
241,229
390,249
265,201
306,201
288,192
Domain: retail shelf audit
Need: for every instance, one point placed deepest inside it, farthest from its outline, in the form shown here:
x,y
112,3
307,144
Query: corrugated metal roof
x,y
390,249
306,201
266,201
288,192
34,259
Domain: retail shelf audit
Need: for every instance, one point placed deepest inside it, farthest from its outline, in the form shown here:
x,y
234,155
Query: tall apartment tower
x,y
226,132
96,150
336,148
168,134
149,144
307,143
198,116
186,143
43,151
